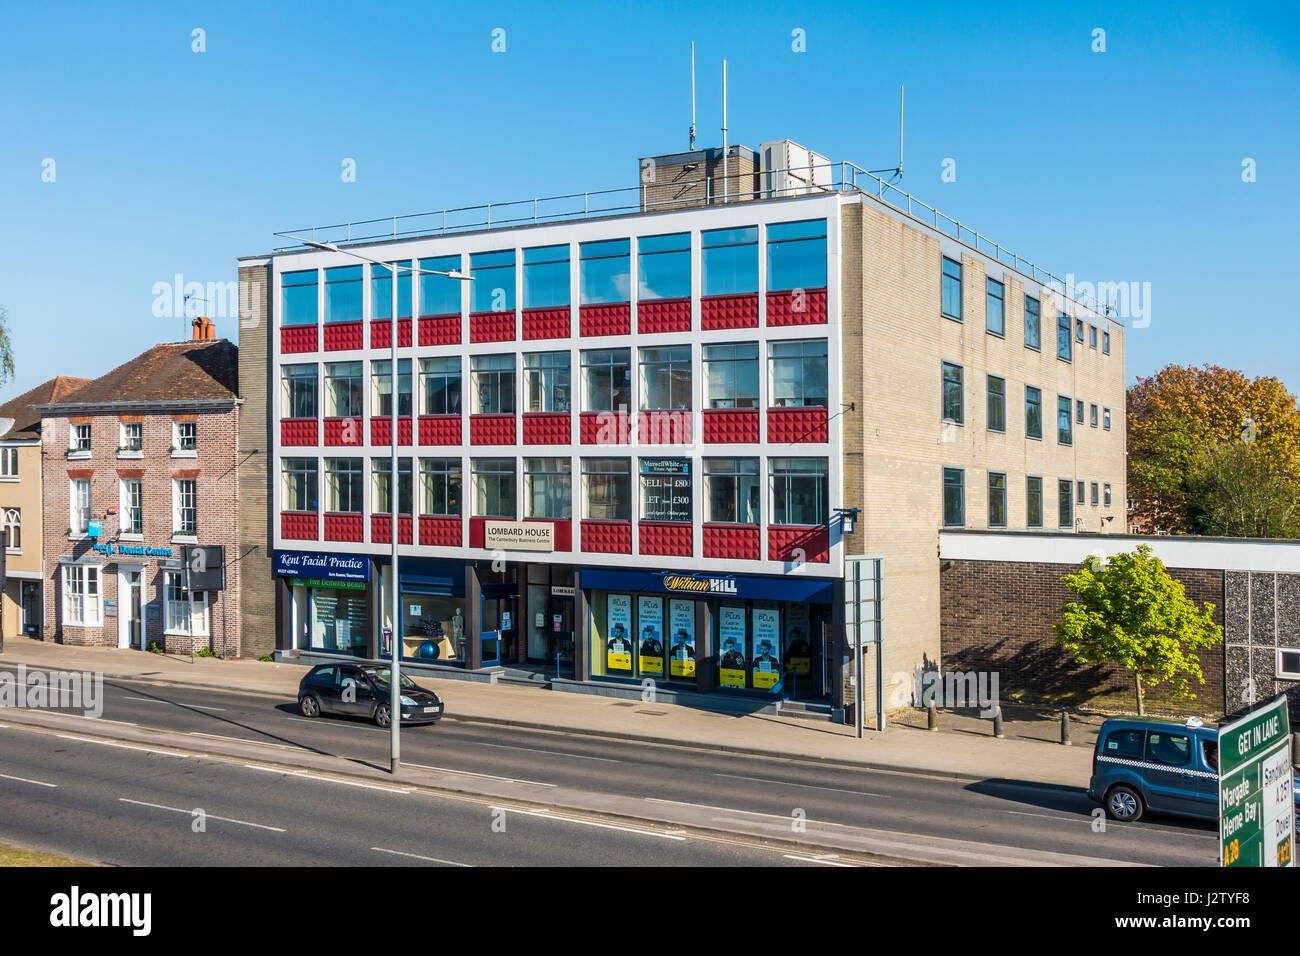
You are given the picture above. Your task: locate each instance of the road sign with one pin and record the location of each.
(206, 566)
(1256, 806)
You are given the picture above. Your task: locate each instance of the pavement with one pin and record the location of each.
(964, 748)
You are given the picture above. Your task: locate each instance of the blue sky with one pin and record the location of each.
(1117, 166)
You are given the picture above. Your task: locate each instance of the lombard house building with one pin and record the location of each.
(139, 464)
(650, 435)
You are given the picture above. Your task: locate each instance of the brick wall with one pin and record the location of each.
(258, 593)
(998, 616)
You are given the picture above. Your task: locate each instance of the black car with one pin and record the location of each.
(362, 690)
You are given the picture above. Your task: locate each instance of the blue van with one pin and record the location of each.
(1163, 766)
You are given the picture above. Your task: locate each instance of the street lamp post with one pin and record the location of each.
(394, 485)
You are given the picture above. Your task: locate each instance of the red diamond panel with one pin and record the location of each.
(345, 431)
(439, 429)
(381, 529)
(492, 429)
(664, 428)
(730, 426)
(801, 307)
(729, 312)
(663, 315)
(491, 327)
(440, 532)
(380, 334)
(794, 544)
(440, 330)
(381, 431)
(342, 336)
(344, 527)
(732, 541)
(546, 428)
(546, 323)
(665, 538)
(297, 431)
(610, 319)
(786, 425)
(298, 338)
(300, 525)
(607, 537)
(605, 428)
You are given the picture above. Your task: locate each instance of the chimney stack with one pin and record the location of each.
(203, 328)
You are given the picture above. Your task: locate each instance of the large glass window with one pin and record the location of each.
(298, 476)
(995, 316)
(132, 504)
(664, 266)
(997, 403)
(381, 484)
(731, 490)
(729, 258)
(1063, 345)
(81, 596)
(546, 382)
(1033, 412)
(343, 294)
(440, 487)
(339, 622)
(187, 613)
(439, 295)
(799, 491)
(381, 291)
(605, 271)
(493, 288)
(1064, 427)
(546, 277)
(606, 379)
(494, 384)
(344, 392)
(952, 394)
(954, 498)
(731, 375)
(298, 392)
(666, 377)
(548, 488)
(951, 289)
(343, 485)
(79, 504)
(185, 506)
(1034, 502)
(666, 489)
(299, 304)
(798, 377)
(494, 487)
(440, 386)
(381, 379)
(607, 489)
(796, 255)
(1033, 324)
(997, 499)
(1064, 503)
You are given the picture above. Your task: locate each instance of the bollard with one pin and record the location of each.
(1065, 730)
(1295, 749)
(932, 717)
(997, 724)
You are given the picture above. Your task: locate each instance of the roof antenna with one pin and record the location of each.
(724, 132)
(692, 96)
(896, 171)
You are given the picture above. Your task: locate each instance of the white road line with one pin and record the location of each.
(312, 776)
(322, 723)
(485, 776)
(113, 743)
(1051, 816)
(592, 823)
(209, 816)
(38, 783)
(805, 786)
(815, 859)
(246, 740)
(102, 720)
(416, 856)
(148, 700)
(200, 706)
(553, 753)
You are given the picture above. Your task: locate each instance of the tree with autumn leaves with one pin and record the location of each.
(1213, 452)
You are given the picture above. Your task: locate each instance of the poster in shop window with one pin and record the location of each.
(618, 636)
(798, 639)
(767, 648)
(650, 650)
(681, 638)
(731, 646)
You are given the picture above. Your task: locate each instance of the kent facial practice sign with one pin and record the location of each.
(1256, 806)
(321, 564)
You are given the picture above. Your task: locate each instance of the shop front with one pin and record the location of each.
(733, 634)
(330, 600)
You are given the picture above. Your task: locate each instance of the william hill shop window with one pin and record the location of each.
(766, 633)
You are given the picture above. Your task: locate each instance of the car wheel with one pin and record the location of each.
(1124, 803)
(309, 705)
(383, 716)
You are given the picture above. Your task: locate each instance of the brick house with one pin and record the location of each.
(136, 465)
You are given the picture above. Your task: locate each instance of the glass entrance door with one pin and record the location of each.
(135, 610)
(559, 622)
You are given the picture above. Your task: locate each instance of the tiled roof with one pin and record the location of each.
(196, 370)
(26, 419)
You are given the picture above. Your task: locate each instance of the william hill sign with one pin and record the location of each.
(698, 585)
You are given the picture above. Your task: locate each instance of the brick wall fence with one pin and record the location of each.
(998, 616)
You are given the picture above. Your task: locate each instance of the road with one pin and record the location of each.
(323, 817)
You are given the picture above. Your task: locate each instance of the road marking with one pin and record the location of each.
(102, 720)
(208, 816)
(486, 776)
(416, 856)
(806, 786)
(38, 783)
(246, 740)
(312, 776)
(592, 823)
(553, 753)
(321, 723)
(816, 859)
(148, 700)
(201, 707)
(1049, 816)
(113, 743)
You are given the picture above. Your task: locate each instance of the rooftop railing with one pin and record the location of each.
(694, 193)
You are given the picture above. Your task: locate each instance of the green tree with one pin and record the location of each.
(1132, 613)
(1240, 490)
(6, 348)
